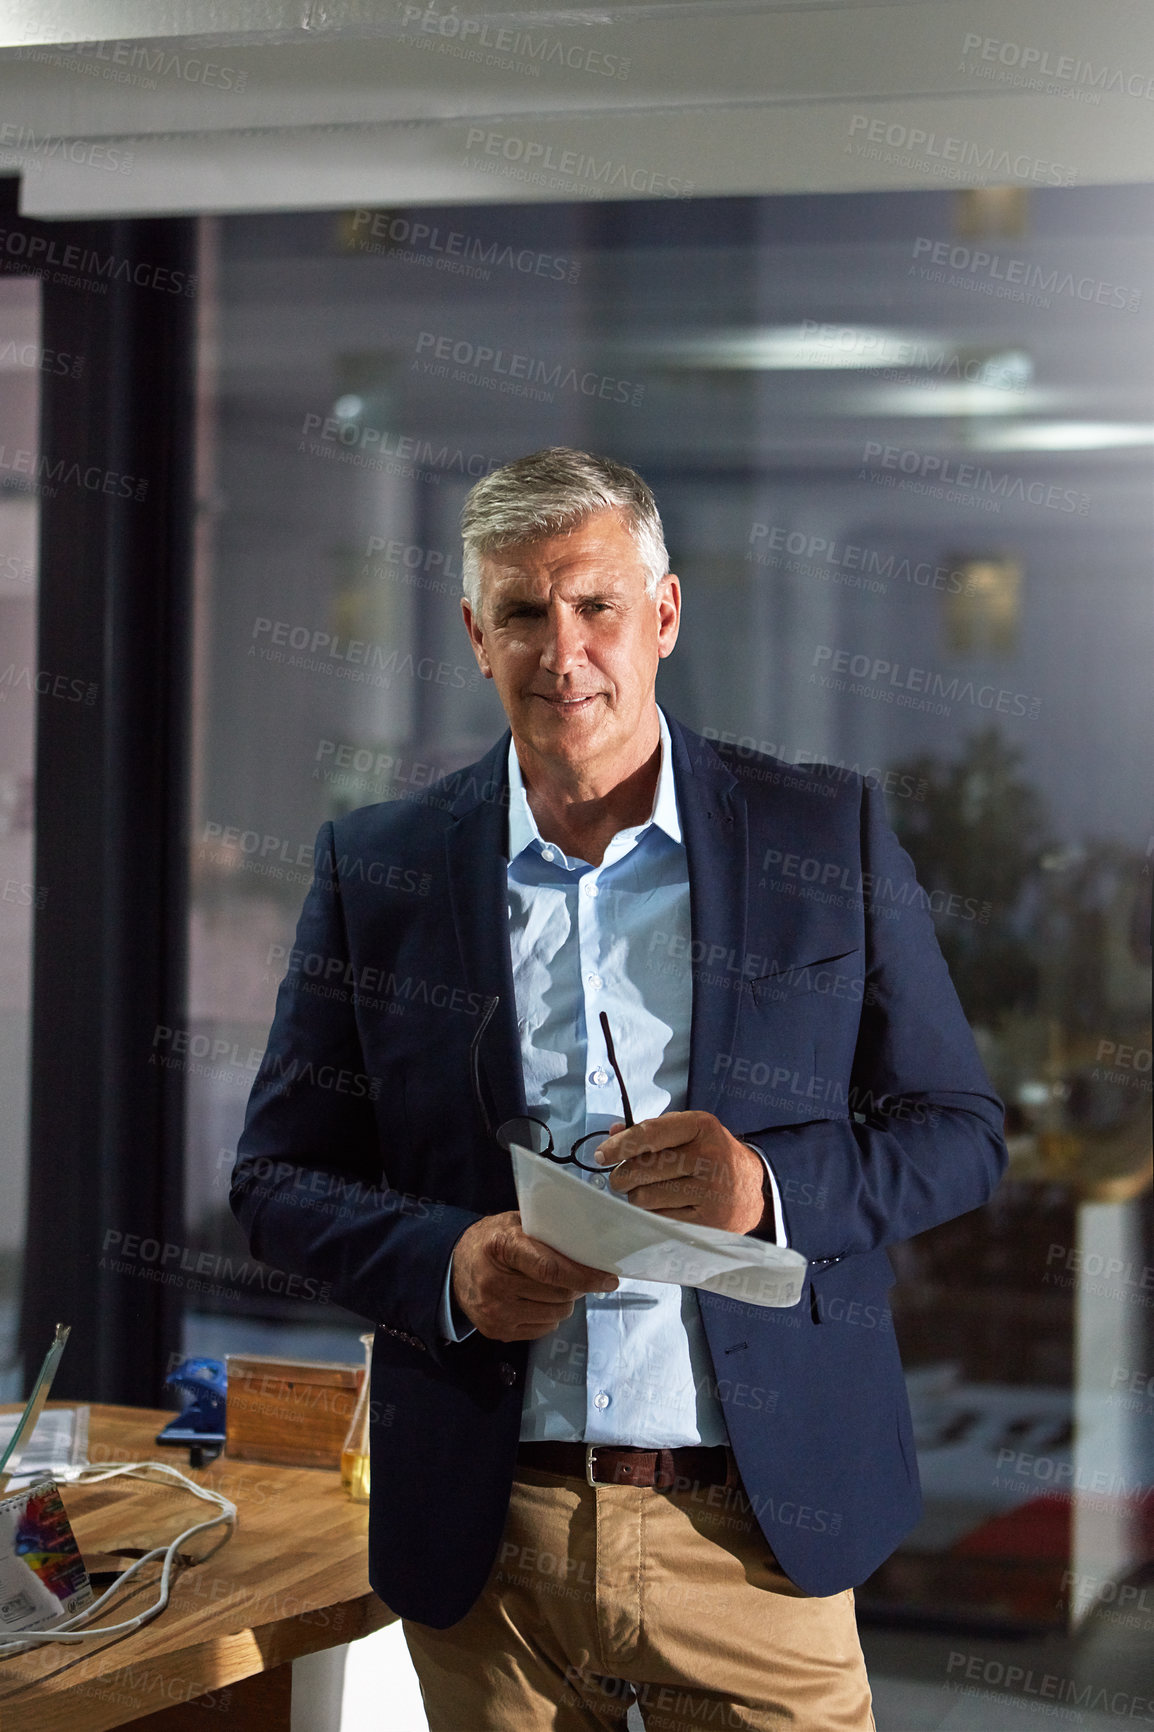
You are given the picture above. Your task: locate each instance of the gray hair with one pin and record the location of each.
(547, 493)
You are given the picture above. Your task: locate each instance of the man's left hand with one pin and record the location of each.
(689, 1167)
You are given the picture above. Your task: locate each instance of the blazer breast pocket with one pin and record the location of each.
(795, 1040)
(837, 977)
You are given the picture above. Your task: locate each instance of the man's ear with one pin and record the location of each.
(476, 637)
(668, 613)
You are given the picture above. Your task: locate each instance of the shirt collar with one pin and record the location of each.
(523, 831)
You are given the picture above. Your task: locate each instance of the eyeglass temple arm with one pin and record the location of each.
(616, 1068)
(475, 1059)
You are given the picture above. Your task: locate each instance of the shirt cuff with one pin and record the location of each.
(780, 1235)
(451, 1320)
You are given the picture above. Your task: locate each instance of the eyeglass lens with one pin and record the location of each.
(534, 1135)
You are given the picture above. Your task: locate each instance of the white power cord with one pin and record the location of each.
(71, 1630)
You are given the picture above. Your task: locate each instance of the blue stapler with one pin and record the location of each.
(202, 1385)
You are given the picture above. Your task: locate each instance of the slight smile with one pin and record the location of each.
(569, 704)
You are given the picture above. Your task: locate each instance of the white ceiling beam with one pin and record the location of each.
(821, 148)
(425, 67)
(341, 102)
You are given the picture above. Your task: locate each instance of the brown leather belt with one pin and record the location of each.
(617, 1464)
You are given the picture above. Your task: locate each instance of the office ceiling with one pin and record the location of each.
(116, 107)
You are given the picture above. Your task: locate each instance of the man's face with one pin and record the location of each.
(572, 642)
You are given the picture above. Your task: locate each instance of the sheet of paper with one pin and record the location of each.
(60, 1440)
(604, 1231)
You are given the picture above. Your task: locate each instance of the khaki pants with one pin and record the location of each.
(601, 1597)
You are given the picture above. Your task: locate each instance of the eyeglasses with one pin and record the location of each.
(533, 1133)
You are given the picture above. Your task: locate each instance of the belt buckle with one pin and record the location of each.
(590, 1448)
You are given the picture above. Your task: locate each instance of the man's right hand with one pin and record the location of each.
(513, 1288)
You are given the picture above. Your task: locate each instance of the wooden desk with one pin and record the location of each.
(292, 1579)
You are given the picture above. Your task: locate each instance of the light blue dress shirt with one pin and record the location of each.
(632, 1366)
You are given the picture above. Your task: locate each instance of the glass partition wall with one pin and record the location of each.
(903, 449)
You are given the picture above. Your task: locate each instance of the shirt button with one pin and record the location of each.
(595, 981)
(590, 887)
(601, 1399)
(547, 854)
(599, 1077)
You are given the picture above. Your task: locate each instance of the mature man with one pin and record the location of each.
(587, 1491)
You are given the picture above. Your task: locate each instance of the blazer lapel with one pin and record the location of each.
(714, 823)
(476, 854)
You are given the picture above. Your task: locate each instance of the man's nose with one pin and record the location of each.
(564, 646)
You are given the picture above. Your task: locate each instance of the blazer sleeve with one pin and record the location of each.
(921, 1140)
(308, 1186)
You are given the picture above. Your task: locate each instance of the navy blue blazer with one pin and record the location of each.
(825, 1030)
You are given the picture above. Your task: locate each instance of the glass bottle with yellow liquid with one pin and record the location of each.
(355, 1454)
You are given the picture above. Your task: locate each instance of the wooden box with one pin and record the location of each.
(294, 1412)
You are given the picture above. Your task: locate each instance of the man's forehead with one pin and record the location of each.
(576, 575)
(544, 566)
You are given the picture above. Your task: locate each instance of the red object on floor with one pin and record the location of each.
(1041, 1531)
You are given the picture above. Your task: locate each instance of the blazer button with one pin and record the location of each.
(506, 1372)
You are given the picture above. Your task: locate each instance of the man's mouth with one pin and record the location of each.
(568, 704)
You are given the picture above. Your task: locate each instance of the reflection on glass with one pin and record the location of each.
(985, 612)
